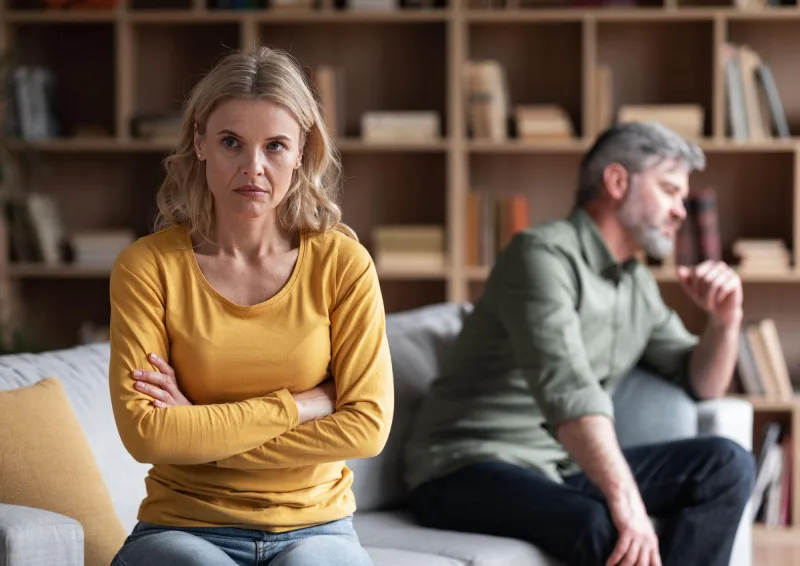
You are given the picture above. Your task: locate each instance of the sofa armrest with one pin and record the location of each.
(727, 417)
(35, 536)
(733, 419)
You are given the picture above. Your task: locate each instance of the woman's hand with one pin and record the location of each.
(161, 385)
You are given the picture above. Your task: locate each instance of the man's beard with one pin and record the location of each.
(648, 234)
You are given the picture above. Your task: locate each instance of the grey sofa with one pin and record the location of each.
(419, 340)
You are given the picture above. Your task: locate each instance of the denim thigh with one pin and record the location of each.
(334, 544)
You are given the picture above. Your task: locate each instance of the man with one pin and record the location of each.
(517, 436)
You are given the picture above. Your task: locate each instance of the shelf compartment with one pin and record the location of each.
(184, 53)
(764, 300)
(755, 196)
(403, 295)
(549, 73)
(647, 69)
(549, 180)
(76, 106)
(115, 191)
(387, 188)
(384, 67)
(54, 311)
(157, 5)
(774, 41)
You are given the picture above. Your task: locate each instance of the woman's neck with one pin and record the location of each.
(247, 238)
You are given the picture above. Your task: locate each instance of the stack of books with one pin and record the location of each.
(100, 248)
(762, 256)
(409, 248)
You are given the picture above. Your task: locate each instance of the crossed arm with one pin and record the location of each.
(264, 431)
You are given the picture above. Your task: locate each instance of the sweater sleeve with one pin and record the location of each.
(177, 435)
(362, 370)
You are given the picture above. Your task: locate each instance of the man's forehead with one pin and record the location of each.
(672, 170)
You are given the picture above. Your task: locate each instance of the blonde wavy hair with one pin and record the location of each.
(265, 74)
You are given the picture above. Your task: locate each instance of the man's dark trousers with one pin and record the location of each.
(697, 488)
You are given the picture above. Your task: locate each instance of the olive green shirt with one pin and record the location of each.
(559, 324)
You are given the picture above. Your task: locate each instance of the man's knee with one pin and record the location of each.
(597, 538)
(324, 550)
(735, 462)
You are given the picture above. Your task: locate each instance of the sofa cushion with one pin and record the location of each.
(397, 529)
(419, 340)
(393, 557)
(46, 463)
(648, 409)
(83, 373)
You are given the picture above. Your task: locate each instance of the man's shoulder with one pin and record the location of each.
(555, 236)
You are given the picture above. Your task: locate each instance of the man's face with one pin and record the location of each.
(653, 207)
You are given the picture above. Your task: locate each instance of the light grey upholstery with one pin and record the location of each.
(419, 341)
(33, 537)
(396, 529)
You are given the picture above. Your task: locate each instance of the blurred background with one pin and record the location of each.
(458, 124)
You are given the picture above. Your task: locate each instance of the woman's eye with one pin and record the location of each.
(229, 141)
(275, 145)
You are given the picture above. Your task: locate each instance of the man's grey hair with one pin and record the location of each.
(636, 146)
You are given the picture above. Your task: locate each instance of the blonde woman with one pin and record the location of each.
(248, 352)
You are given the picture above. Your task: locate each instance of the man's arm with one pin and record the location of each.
(537, 307)
(704, 366)
(714, 359)
(592, 443)
(717, 289)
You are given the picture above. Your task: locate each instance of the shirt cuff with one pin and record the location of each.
(591, 400)
(292, 415)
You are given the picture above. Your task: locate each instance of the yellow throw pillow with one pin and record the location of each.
(46, 462)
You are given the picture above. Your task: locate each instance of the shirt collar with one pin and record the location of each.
(594, 248)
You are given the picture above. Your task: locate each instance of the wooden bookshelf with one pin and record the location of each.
(145, 55)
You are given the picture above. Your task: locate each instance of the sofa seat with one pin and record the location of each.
(394, 557)
(396, 530)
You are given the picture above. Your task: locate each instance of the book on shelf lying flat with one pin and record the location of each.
(100, 248)
(758, 256)
(685, 119)
(407, 248)
(401, 126)
(539, 122)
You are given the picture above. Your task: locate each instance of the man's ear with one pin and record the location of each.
(616, 181)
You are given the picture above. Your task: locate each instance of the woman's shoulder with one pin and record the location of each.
(152, 249)
(339, 246)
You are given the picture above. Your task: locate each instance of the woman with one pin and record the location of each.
(248, 352)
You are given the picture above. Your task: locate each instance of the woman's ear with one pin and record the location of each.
(198, 143)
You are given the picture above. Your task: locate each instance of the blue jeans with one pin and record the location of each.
(697, 487)
(331, 544)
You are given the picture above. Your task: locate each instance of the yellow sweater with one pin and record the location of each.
(238, 457)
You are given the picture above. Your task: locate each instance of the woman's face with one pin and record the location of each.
(250, 149)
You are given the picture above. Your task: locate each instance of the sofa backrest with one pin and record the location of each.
(419, 341)
(83, 372)
(648, 409)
